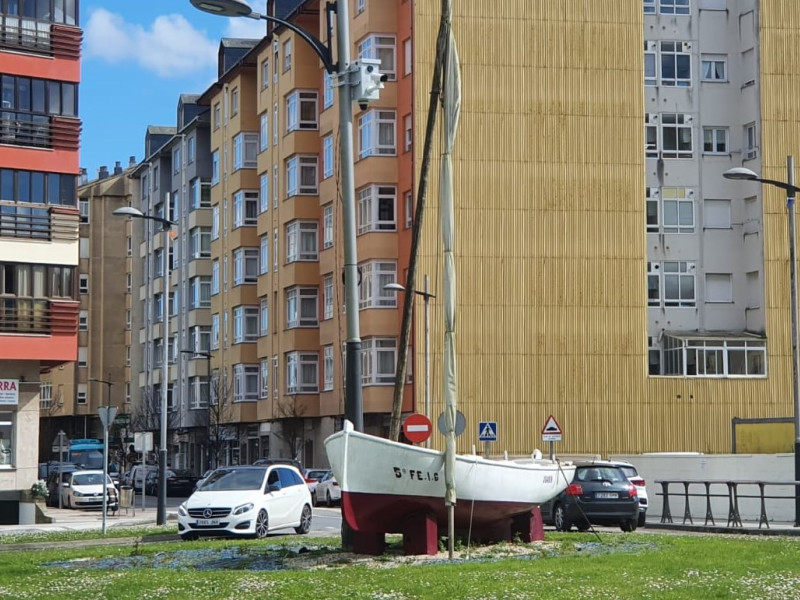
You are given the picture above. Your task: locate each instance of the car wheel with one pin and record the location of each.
(628, 525)
(262, 524)
(560, 519)
(69, 502)
(305, 521)
(314, 499)
(641, 520)
(583, 526)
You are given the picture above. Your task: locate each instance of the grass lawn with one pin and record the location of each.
(565, 566)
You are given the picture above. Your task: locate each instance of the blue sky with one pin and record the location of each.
(138, 57)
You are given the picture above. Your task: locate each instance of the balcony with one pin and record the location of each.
(38, 222)
(39, 37)
(39, 131)
(39, 316)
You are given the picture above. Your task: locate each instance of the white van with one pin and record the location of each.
(139, 474)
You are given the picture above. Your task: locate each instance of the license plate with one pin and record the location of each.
(606, 495)
(207, 522)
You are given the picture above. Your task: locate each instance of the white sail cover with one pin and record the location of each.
(451, 111)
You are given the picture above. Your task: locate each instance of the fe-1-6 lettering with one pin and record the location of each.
(415, 474)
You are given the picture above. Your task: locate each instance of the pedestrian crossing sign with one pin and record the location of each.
(487, 431)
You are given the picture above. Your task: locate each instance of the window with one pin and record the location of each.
(716, 214)
(200, 192)
(301, 307)
(327, 98)
(361, 6)
(275, 124)
(649, 6)
(215, 222)
(200, 292)
(45, 401)
(327, 297)
(263, 193)
(83, 320)
(301, 110)
(287, 55)
(327, 368)
(301, 241)
(264, 388)
(714, 68)
(371, 292)
(670, 210)
(676, 134)
(245, 208)
(198, 393)
(263, 131)
(83, 207)
(301, 176)
(265, 73)
(7, 437)
(381, 47)
(676, 59)
(264, 328)
(190, 149)
(176, 160)
(215, 276)
(714, 357)
(245, 324)
(378, 358)
(201, 242)
(83, 283)
(376, 133)
(275, 377)
(409, 205)
(407, 56)
(216, 116)
(376, 209)
(245, 150)
(83, 357)
(245, 266)
(275, 249)
(671, 284)
(215, 167)
(327, 156)
(245, 382)
(214, 332)
(274, 186)
(200, 338)
(719, 288)
(263, 258)
(674, 7)
(750, 144)
(715, 140)
(301, 373)
(408, 134)
(234, 101)
(275, 62)
(81, 394)
(327, 226)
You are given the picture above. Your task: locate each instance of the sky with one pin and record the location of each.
(138, 57)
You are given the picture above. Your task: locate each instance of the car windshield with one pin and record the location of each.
(88, 479)
(629, 472)
(316, 474)
(599, 474)
(234, 479)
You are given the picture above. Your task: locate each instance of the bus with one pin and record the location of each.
(88, 453)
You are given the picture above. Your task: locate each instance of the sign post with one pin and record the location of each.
(487, 433)
(106, 414)
(60, 442)
(551, 432)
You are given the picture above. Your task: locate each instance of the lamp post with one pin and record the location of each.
(207, 356)
(166, 225)
(107, 415)
(343, 69)
(743, 174)
(427, 297)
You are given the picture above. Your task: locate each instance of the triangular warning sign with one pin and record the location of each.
(487, 432)
(551, 426)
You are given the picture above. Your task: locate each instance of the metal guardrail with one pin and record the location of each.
(720, 488)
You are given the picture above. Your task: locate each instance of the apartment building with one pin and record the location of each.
(39, 314)
(72, 393)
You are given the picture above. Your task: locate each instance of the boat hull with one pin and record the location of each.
(384, 483)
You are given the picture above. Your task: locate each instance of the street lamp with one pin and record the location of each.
(354, 406)
(166, 224)
(743, 174)
(207, 356)
(427, 296)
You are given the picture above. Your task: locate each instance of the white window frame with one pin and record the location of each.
(383, 48)
(375, 127)
(245, 150)
(302, 309)
(245, 208)
(302, 110)
(373, 204)
(200, 292)
(327, 226)
(263, 192)
(263, 391)
(215, 277)
(83, 320)
(714, 67)
(245, 382)
(201, 242)
(677, 213)
(264, 317)
(375, 275)
(245, 266)
(245, 324)
(263, 134)
(681, 124)
(327, 95)
(327, 368)
(215, 167)
(679, 55)
(302, 373)
(287, 55)
(378, 360)
(302, 176)
(716, 140)
(674, 7)
(215, 222)
(750, 142)
(263, 256)
(327, 156)
(302, 241)
(215, 332)
(409, 207)
(327, 297)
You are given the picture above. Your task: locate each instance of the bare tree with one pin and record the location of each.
(146, 414)
(220, 415)
(292, 420)
(49, 423)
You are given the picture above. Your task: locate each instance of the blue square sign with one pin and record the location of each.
(487, 431)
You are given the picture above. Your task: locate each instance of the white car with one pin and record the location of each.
(84, 489)
(328, 491)
(638, 481)
(247, 501)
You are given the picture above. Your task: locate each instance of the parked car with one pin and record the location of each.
(313, 477)
(328, 491)
(53, 482)
(180, 482)
(247, 501)
(599, 494)
(139, 474)
(633, 476)
(85, 489)
(48, 467)
(261, 462)
(200, 481)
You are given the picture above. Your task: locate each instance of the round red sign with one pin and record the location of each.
(417, 428)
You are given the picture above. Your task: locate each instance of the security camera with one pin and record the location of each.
(362, 103)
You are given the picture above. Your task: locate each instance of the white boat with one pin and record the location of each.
(384, 483)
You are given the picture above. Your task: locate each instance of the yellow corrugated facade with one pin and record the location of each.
(550, 242)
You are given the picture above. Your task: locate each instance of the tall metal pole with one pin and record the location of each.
(161, 511)
(427, 296)
(790, 197)
(353, 402)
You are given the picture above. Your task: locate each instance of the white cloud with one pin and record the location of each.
(248, 28)
(170, 47)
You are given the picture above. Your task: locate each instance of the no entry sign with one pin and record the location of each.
(417, 428)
